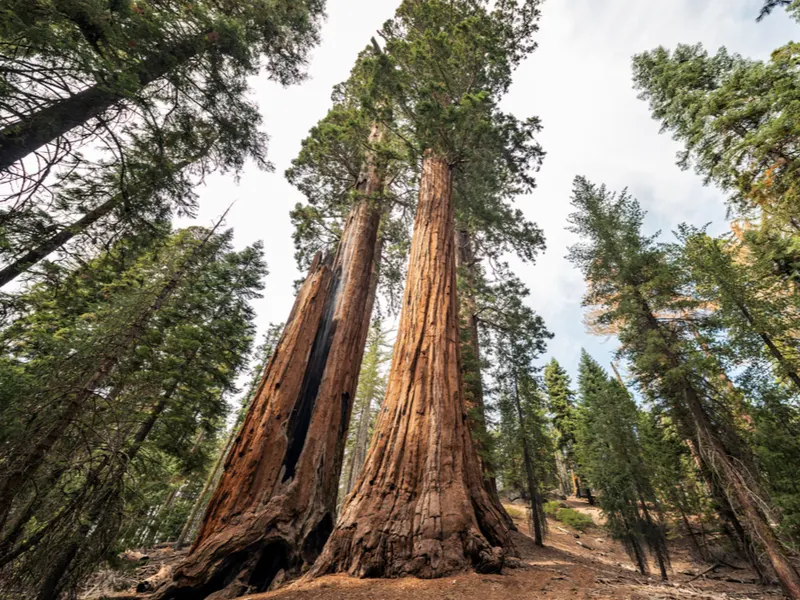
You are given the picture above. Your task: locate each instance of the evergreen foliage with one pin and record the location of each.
(121, 372)
(611, 457)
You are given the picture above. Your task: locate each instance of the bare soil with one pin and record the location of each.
(572, 565)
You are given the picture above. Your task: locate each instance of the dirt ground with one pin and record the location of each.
(573, 565)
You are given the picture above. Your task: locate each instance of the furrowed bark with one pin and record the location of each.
(365, 417)
(56, 120)
(275, 505)
(419, 506)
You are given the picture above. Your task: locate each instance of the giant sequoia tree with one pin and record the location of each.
(448, 64)
(640, 291)
(275, 504)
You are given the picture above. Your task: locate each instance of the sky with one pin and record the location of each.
(578, 82)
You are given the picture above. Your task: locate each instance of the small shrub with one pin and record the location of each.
(514, 512)
(574, 519)
(551, 507)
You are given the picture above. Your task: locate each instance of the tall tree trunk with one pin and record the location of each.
(56, 578)
(788, 369)
(466, 265)
(655, 547)
(56, 120)
(21, 264)
(533, 489)
(275, 505)
(734, 479)
(563, 473)
(30, 258)
(419, 506)
(359, 450)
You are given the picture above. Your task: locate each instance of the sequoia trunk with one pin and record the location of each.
(419, 506)
(276, 501)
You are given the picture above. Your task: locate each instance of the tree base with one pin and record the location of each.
(254, 554)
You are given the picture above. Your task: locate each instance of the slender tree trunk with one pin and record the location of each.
(690, 532)
(57, 576)
(275, 505)
(359, 449)
(657, 548)
(30, 258)
(563, 473)
(73, 401)
(466, 265)
(211, 480)
(56, 120)
(533, 488)
(79, 227)
(788, 369)
(738, 485)
(419, 506)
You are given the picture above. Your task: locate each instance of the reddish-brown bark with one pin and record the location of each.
(276, 501)
(419, 506)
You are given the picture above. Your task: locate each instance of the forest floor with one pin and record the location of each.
(572, 565)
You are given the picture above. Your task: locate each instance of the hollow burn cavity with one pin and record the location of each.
(315, 540)
(274, 558)
(255, 569)
(300, 419)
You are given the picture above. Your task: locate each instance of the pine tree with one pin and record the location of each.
(163, 394)
(156, 92)
(78, 61)
(736, 119)
(632, 282)
(560, 403)
(611, 455)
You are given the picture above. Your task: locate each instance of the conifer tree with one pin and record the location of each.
(560, 404)
(156, 93)
(522, 405)
(632, 282)
(611, 455)
(161, 396)
(446, 65)
(76, 61)
(735, 118)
